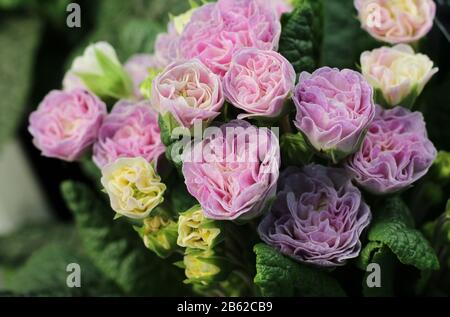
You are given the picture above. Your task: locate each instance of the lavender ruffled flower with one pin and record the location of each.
(318, 216)
(395, 153)
(334, 109)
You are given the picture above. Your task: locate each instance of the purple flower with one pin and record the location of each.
(137, 66)
(66, 123)
(317, 217)
(259, 82)
(216, 31)
(334, 109)
(395, 153)
(233, 171)
(130, 130)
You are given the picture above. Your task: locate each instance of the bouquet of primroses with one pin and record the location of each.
(250, 167)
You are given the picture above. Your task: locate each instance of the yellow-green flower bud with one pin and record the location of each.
(201, 267)
(159, 235)
(196, 231)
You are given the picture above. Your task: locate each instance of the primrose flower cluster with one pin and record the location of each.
(217, 69)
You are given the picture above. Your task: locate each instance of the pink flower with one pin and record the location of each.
(259, 82)
(334, 109)
(66, 123)
(400, 21)
(233, 171)
(167, 46)
(217, 31)
(395, 153)
(138, 67)
(189, 91)
(130, 130)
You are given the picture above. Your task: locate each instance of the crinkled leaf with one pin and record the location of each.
(116, 249)
(277, 275)
(301, 35)
(393, 226)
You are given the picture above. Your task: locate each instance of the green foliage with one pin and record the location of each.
(435, 105)
(295, 150)
(116, 249)
(344, 40)
(44, 274)
(19, 39)
(16, 247)
(279, 276)
(301, 35)
(392, 226)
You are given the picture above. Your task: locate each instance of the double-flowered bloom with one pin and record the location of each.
(396, 21)
(66, 123)
(317, 217)
(334, 109)
(395, 153)
(396, 73)
(189, 91)
(133, 187)
(130, 130)
(233, 172)
(217, 30)
(259, 82)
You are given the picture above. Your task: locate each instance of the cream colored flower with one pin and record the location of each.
(133, 187)
(397, 72)
(195, 231)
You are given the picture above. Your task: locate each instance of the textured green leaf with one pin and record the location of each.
(45, 274)
(393, 226)
(276, 275)
(301, 35)
(116, 249)
(19, 38)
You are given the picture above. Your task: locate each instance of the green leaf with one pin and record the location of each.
(295, 150)
(344, 39)
(277, 275)
(19, 39)
(393, 226)
(45, 274)
(116, 249)
(17, 247)
(301, 35)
